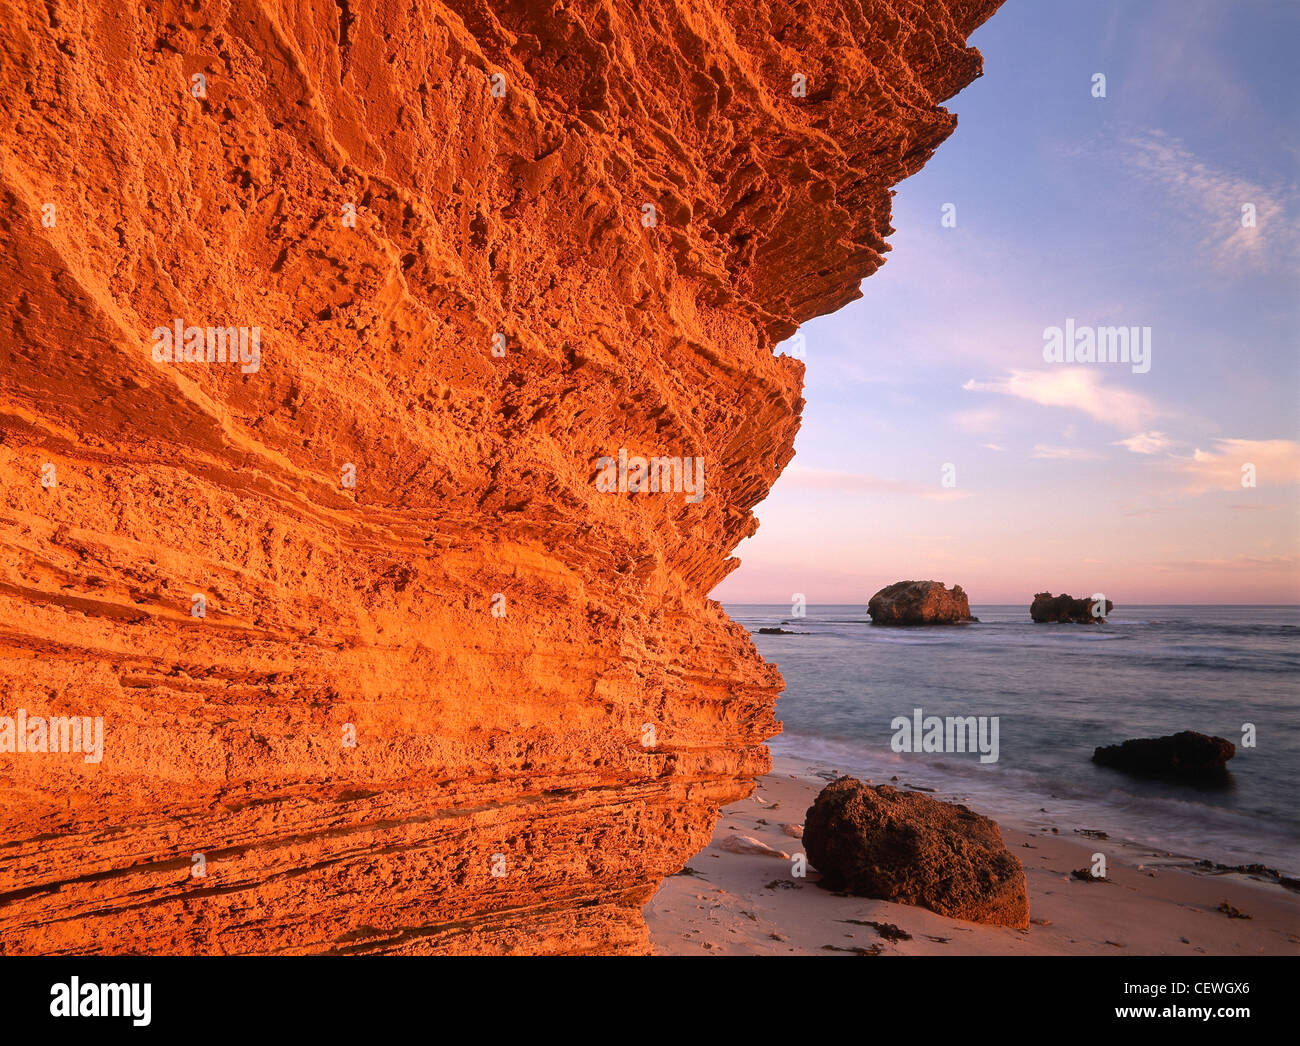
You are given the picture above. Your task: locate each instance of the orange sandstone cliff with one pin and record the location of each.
(379, 666)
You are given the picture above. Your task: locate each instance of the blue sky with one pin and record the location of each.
(1122, 210)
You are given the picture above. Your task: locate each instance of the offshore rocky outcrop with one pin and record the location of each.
(920, 603)
(379, 668)
(1049, 609)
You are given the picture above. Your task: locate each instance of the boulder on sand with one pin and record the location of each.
(1049, 608)
(1186, 754)
(906, 847)
(919, 603)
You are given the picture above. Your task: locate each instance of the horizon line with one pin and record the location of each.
(1279, 606)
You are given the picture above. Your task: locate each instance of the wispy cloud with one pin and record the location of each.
(1077, 388)
(844, 482)
(1280, 564)
(981, 421)
(1042, 450)
(1276, 463)
(1147, 443)
(1213, 198)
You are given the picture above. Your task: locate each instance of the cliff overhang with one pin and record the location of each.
(380, 668)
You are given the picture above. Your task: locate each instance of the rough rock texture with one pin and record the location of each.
(470, 703)
(1047, 608)
(920, 603)
(906, 847)
(1185, 754)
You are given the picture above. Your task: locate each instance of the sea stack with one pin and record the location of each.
(920, 603)
(1047, 609)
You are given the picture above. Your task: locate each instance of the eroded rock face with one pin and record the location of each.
(1185, 754)
(911, 849)
(440, 693)
(1047, 608)
(920, 603)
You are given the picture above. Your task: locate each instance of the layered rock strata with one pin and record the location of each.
(316, 322)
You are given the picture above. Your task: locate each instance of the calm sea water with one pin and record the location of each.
(1059, 691)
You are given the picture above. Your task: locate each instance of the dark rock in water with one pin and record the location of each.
(1048, 608)
(1187, 754)
(920, 603)
(906, 847)
(777, 632)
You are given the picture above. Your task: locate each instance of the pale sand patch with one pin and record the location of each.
(1155, 904)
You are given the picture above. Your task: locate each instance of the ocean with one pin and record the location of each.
(1059, 691)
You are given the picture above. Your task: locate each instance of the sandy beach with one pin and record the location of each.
(1155, 902)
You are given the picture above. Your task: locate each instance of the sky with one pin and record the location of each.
(939, 443)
